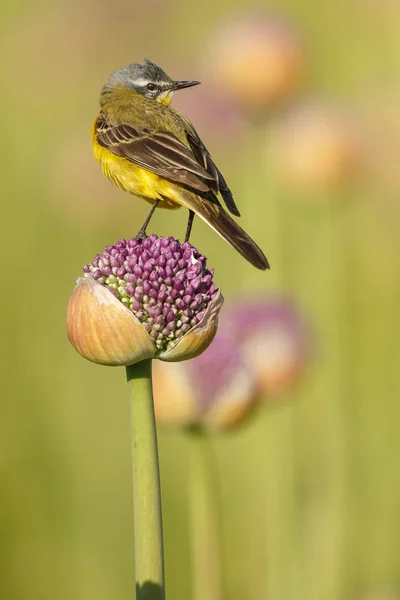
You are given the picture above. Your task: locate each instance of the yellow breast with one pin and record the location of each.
(134, 179)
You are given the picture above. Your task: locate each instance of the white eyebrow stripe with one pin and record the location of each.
(142, 82)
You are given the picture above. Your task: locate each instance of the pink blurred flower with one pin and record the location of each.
(215, 391)
(257, 59)
(315, 146)
(273, 339)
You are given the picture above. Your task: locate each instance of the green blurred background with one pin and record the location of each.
(311, 485)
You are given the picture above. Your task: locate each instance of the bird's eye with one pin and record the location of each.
(151, 86)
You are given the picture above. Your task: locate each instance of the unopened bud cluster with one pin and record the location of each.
(165, 284)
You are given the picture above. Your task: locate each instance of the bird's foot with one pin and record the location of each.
(141, 234)
(142, 231)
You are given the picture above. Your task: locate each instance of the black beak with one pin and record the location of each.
(179, 85)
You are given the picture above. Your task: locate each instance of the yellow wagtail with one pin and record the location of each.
(149, 149)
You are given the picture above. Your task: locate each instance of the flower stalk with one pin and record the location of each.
(149, 551)
(204, 520)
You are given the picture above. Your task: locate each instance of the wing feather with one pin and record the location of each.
(204, 158)
(159, 152)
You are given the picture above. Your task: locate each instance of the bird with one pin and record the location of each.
(147, 148)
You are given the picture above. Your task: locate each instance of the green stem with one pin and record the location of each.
(204, 521)
(149, 555)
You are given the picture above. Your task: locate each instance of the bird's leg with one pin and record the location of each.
(189, 225)
(142, 231)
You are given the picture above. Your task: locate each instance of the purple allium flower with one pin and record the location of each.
(216, 390)
(161, 285)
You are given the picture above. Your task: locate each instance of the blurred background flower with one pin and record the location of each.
(315, 146)
(256, 58)
(262, 348)
(214, 391)
(273, 338)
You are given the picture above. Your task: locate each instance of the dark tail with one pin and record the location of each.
(222, 223)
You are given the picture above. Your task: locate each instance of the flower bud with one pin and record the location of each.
(273, 339)
(139, 299)
(215, 390)
(315, 147)
(257, 59)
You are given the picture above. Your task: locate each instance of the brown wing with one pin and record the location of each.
(204, 158)
(159, 152)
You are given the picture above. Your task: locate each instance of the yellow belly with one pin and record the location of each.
(136, 180)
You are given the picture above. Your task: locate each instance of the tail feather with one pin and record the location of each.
(215, 216)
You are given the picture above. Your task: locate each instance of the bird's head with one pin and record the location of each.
(147, 79)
